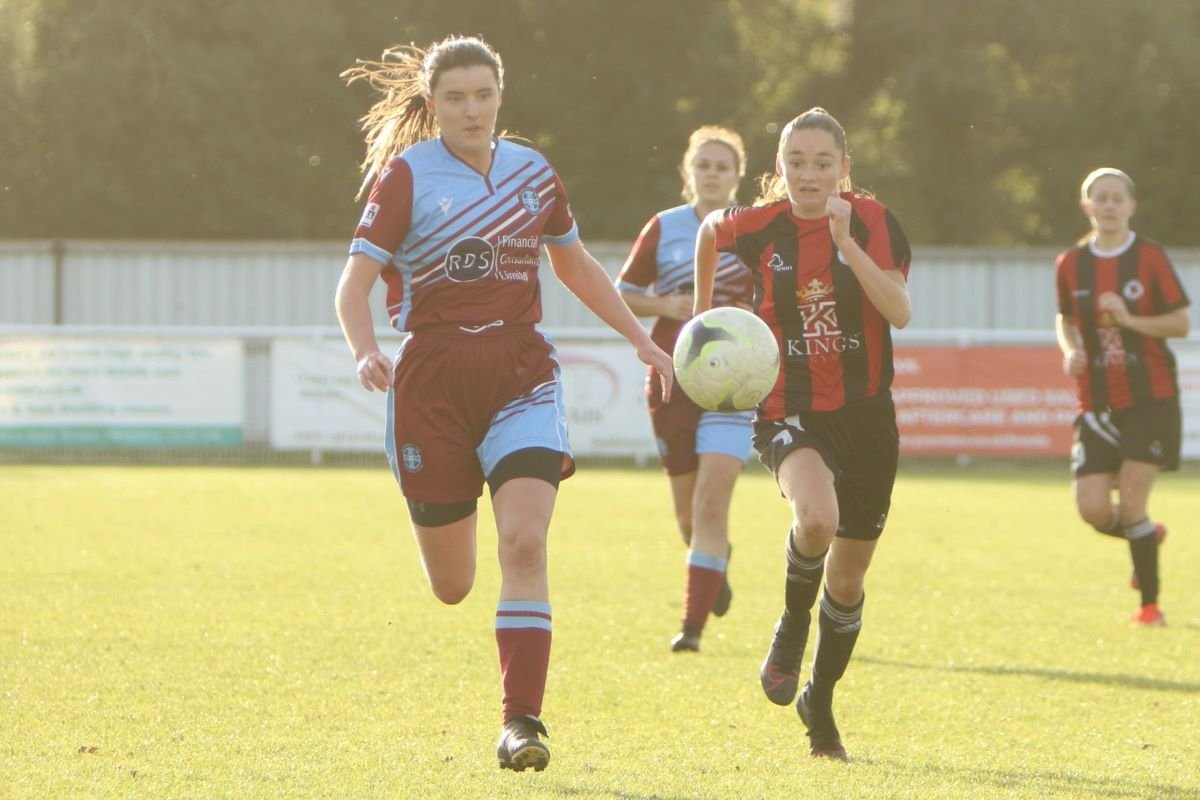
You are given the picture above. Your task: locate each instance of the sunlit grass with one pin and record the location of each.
(253, 633)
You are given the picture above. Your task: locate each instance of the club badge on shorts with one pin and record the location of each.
(410, 456)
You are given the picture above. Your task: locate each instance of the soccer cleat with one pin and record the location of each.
(823, 736)
(520, 748)
(725, 595)
(1150, 616)
(1160, 533)
(686, 641)
(780, 673)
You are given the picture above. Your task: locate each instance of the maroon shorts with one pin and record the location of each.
(461, 402)
(675, 424)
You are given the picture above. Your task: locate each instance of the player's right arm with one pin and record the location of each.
(640, 273)
(1074, 356)
(706, 262)
(352, 302)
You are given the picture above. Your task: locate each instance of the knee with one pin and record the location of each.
(451, 590)
(711, 504)
(815, 527)
(845, 589)
(523, 549)
(1096, 512)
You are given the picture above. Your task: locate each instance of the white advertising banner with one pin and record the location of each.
(318, 404)
(127, 392)
(1187, 355)
(604, 388)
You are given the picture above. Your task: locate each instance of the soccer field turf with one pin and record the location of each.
(189, 632)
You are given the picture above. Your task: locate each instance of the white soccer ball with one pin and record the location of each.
(726, 359)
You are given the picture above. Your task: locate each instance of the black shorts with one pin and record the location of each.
(1151, 432)
(861, 446)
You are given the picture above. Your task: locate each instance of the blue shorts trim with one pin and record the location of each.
(726, 433)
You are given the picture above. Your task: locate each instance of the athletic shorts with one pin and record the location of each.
(861, 446)
(1151, 432)
(461, 402)
(683, 430)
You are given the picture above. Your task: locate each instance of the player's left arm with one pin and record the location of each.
(582, 274)
(887, 289)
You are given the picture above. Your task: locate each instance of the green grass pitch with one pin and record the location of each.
(209, 633)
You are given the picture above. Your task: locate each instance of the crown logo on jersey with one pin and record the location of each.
(812, 291)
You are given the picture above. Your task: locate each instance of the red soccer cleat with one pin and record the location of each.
(1150, 616)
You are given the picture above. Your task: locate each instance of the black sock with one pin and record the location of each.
(803, 581)
(838, 628)
(1143, 549)
(1113, 528)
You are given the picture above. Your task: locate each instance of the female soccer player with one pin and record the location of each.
(454, 224)
(702, 452)
(830, 277)
(1119, 299)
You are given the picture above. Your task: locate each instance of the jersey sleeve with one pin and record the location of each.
(388, 214)
(888, 244)
(1168, 291)
(1065, 305)
(641, 268)
(560, 228)
(726, 230)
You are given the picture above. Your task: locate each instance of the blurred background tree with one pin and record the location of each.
(226, 119)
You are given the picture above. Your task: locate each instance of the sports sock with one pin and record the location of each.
(803, 581)
(523, 639)
(1143, 549)
(838, 628)
(705, 574)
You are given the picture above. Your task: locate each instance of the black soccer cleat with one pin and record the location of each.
(824, 739)
(780, 673)
(686, 641)
(520, 748)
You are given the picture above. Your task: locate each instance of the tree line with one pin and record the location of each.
(226, 119)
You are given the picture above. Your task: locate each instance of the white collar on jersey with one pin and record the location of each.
(1098, 253)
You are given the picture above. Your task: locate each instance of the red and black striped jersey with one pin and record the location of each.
(1124, 367)
(836, 347)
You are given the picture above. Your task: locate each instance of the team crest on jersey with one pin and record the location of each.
(368, 215)
(822, 335)
(469, 259)
(531, 200)
(1134, 290)
(410, 456)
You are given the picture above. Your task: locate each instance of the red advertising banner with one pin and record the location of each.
(983, 401)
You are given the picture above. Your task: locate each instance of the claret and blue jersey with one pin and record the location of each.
(663, 257)
(459, 246)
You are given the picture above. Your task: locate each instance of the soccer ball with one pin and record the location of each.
(726, 359)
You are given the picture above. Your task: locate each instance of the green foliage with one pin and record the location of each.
(262, 633)
(226, 119)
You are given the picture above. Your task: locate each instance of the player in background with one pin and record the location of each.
(830, 278)
(454, 223)
(702, 451)
(1119, 299)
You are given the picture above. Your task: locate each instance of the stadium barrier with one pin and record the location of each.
(291, 395)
